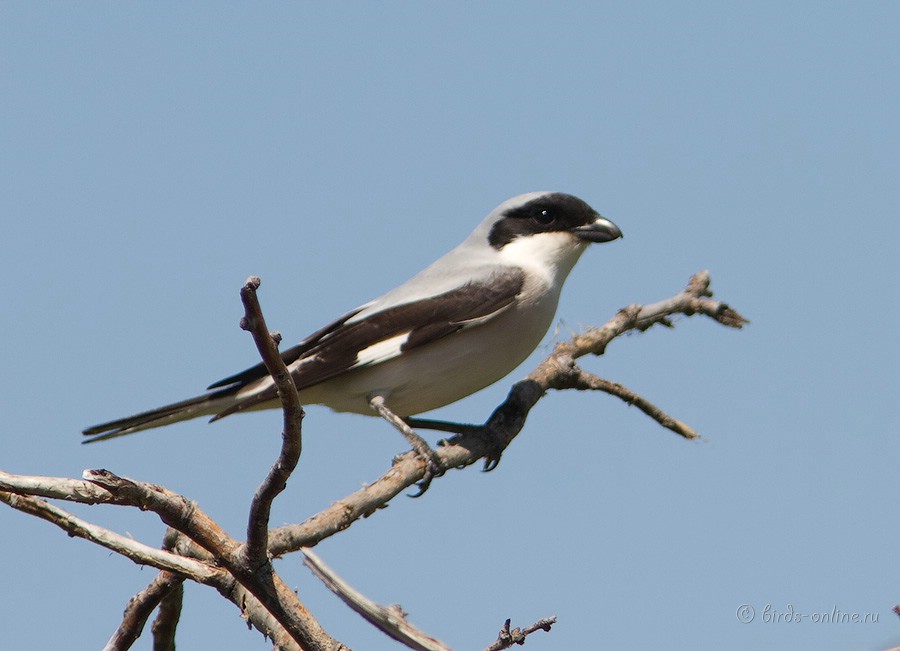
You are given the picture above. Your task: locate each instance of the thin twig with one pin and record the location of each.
(391, 620)
(166, 590)
(129, 548)
(139, 608)
(508, 637)
(166, 622)
(61, 488)
(585, 380)
(255, 551)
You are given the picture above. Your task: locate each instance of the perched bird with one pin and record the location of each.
(458, 326)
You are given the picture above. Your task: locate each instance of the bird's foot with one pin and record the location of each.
(485, 433)
(433, 465)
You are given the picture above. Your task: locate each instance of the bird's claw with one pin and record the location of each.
(491, 461)
(433, 468)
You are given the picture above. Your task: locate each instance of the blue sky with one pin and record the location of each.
(156, 154)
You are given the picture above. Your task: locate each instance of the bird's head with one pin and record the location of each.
(545, 230)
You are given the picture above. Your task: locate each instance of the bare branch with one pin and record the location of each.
(255, 551)
(248, 564)
(172, 595)
(61, 488)
(166, 590)
(139, 608)
(391, 620)
(138, 552)
(183, 515)
(173, 509)
(584, 380)
(557, 370)
(474, 442)
(186, 517)
(694, 299)
(508, 637)
(406, 471)
(166, 621)
(260, 615)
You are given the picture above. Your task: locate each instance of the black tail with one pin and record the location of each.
(205, 405)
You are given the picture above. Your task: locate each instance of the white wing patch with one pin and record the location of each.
(382, 351)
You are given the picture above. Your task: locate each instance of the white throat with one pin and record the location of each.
(550, 256)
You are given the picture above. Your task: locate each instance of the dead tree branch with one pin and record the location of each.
(391, 620)
(201, 551)
(475, 442)
(508, 637)
(127, 547)
(255, 551)
(141, 606)
(167, 618)
(174, 510)
(245, 564)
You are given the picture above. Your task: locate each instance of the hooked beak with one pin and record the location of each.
(599, 230)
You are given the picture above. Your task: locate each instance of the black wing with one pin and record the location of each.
(342, 346)
(289, 356)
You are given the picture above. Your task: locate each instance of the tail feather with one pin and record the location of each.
(205, 405)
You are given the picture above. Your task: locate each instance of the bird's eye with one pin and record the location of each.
(543, 217)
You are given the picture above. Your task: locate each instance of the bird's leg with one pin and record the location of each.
(433, 466)
(443, 426)
(483, 432)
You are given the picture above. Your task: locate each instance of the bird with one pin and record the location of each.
(463, 323)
